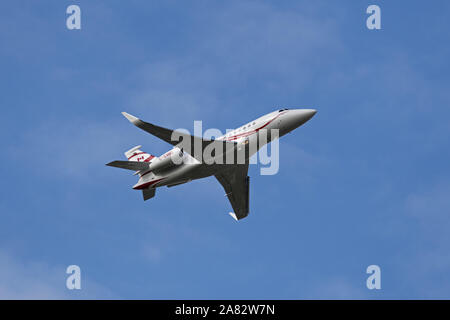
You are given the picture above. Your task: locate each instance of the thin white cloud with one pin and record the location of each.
(241, 45)
(74, 147)
(39, 280)
(425, 267)
(338, 288)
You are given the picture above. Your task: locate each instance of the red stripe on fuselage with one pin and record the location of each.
(244, 134)
(147, 184)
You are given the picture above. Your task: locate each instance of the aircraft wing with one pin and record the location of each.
(130, 165)
(188, 143)
(235, 181)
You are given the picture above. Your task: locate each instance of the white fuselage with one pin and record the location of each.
(284, 121)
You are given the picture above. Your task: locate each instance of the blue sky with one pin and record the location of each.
(366, 181)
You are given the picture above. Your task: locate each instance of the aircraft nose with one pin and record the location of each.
(308, 114)
(295, 118)
(300, 116)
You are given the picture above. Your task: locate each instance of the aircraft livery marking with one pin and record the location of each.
(134, 155)
(147, 184)
(244, 134)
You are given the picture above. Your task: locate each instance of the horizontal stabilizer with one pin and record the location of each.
(132, 151)
(129, 165)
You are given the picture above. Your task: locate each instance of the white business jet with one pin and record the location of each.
(227, 157)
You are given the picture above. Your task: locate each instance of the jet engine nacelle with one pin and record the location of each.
(172, 158)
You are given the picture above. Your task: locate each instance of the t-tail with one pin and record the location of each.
(135, 154)
(137, 160)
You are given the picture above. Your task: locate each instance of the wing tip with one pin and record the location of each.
(130, 117)
(233, 215)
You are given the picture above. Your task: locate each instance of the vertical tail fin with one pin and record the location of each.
(135, 154)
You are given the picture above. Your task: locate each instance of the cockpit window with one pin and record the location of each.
(282, 110)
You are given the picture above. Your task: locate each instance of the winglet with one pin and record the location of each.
(233, 215)
(130, 118)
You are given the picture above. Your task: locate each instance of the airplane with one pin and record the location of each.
(188, 159)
